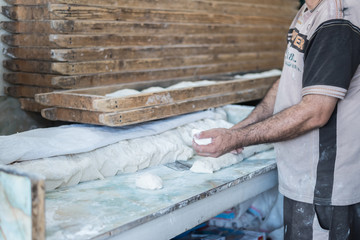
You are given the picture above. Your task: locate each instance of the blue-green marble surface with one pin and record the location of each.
(15, 206)
(94, 208)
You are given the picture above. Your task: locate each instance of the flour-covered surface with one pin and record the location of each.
(97, 208)
(15, 207)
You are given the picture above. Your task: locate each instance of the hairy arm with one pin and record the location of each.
(263, 110)
(312, 112)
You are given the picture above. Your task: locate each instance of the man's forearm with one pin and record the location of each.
(311, 113)
(263, 110)
(314, 111)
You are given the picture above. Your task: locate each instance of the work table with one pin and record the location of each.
(114, 208)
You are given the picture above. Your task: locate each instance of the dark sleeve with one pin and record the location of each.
(331, 58)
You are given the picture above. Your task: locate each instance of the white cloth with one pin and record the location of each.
(80, 138)
(122, 157)
(128, 155)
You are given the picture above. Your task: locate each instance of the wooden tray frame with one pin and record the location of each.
(92, 106)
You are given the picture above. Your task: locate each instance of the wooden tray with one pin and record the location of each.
(92, 106)
(123, 118)
(95, 99)
(102, 79)
(129, 28)
(106, 66)
(138, 52)
(224, 12)
(249, 34)
(145, 17)
(160, 4)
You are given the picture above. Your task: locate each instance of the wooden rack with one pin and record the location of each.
(56, 45)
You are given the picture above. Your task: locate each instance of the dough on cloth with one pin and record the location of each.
(149, 181)
(124, 156)
(121, 157)
(211, 165)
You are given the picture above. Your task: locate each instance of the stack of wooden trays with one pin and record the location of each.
(55, 45)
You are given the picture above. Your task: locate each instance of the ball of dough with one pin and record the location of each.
(149, 181)
(200, 141)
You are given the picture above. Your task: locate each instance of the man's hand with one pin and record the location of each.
(237, 151)
(314, 111)
(223, 141)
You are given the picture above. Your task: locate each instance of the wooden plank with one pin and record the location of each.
(71, 115)
(29, 104)
(225, 13)
(22, 205)
(159, 4)
(25, 91)
(85, 99)
(102, 90)
(123, 118)
(68, 100)
(256, 34)
(91, 54)
(163, 111)
(83, 81)
(40, 80)
(139, 28)
(94, 67)
(127, 79)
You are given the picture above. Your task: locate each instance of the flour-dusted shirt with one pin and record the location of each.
(323, 57)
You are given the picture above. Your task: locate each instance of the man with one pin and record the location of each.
(313, 114)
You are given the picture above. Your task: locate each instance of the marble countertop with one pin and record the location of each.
(97, 209)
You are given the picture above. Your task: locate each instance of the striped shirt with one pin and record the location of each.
(323, 57)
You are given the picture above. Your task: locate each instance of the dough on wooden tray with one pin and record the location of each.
(270, 73)
(152, 89)
(149, 181)
(190, 84)
(123, 93)
(186, 84)
(128, 92)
